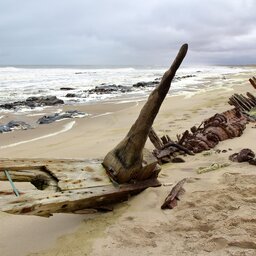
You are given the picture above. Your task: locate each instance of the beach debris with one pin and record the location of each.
(128, 161)
(60, 116)
(251, 115)
(207, 135)
(33, 102)
(71, 185)
(166, 150)
(63, 185)
(108, 89)
(172, 199)
(252, 161)
(227, 125)
(253, 82)
(14, 125)
(67, 88)
(244, 155)
(212, 167)
(243, 103)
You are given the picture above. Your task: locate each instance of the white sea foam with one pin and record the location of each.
(37, 114)
(66, 128)
(20, 83)
(104, 114)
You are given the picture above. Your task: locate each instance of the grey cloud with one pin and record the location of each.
(126, 32)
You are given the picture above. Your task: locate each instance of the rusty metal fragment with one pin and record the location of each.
(227, 125)
(245, 155)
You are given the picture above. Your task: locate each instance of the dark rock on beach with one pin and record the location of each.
(12, 105)
(67, 88)
(146, 84)
(14, 125)
(58, 116)
(33, 102)
(43, 101)
(108, 89)
(244, 155)
(183, 77)
(71, 95)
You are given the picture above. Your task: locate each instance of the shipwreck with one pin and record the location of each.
(72, 186)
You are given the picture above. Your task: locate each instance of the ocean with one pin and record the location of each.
(19, 83)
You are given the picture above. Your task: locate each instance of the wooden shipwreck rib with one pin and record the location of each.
(226, 125)
(73, 185)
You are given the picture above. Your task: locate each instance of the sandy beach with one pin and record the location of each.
(216, 215)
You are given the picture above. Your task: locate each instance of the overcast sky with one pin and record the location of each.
(130, 32)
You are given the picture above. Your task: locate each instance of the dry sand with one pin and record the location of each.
(216, 215)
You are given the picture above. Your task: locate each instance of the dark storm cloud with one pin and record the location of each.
(126, 32)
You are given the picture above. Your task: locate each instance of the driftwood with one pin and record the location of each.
(125, 161)
(75, 185)
(253, 82)
(167, 150)
(242, 102)
(172, 199)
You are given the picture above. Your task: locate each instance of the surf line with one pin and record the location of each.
(104, 114)
(66, 128)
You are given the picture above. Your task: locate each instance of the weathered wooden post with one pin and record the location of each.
(125, 161)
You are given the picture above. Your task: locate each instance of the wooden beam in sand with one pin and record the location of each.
(62, 186)
(253, 82)
(125, 161)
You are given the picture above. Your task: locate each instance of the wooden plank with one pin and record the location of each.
(66, 185)
(61, 174)
(46, 203)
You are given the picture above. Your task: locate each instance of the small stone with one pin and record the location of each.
(178, 160)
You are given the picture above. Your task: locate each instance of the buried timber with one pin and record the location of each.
(73, 185)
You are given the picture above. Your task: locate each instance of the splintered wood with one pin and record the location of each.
(253, 82)
(167, 150)
(242, 102)
(172, 199)
(69, 186)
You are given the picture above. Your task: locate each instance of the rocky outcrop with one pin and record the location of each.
(183, 77)
(33, 102)
(43, 101)
(145, 84)
(71, 95)
(108, 89)
(14, 125)
(58, 116)
(67, 88)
